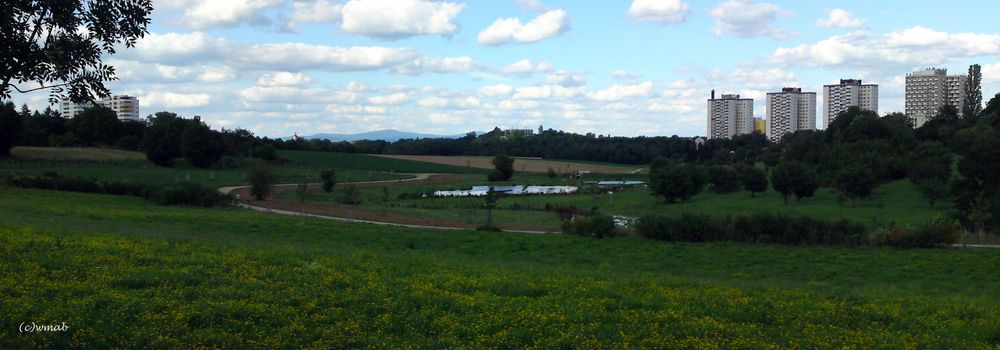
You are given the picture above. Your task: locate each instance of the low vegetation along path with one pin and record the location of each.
(278, 206)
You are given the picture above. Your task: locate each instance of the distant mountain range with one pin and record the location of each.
(388, 135)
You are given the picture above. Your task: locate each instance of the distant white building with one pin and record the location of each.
(729, 116)
(928, 90)
(849, 93)
(126, 107)
(789, 111)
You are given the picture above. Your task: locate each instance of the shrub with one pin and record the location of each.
(597, 226)
(188, 193)
(936, 232)
(758, 227)
(261, 178)
(488, 228)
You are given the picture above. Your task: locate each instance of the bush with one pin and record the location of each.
(598, 226)
(758, 228)
(185, 193)
(488, 228)
(936, 232)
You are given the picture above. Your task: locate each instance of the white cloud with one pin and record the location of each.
(454, 103)
(840, 18)
(518, 104)
(621, 74)
(906, 49)
(532, 5)
(495, 90)
(228, 13)
(437, 65)
(525, 67)
(160, 73)
(315, 11)
(619, 92)
(299, 56)
(354, 109)
(745, 19)
(508, 30)
(297, 95)
(178, 48)
(566, 79)
(397, 19)
(546, 92)
(392, 99)
(659, 11)
(284, 79)
(991, 74)
(173, 100)
(441, 118)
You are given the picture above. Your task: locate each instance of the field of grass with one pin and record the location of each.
(371, 162)
(895, 202)
(123, 273)
(522, 164)
(112, 165)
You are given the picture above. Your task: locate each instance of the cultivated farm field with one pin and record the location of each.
(124, 273)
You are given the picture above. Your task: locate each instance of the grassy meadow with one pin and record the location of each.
(124, 273)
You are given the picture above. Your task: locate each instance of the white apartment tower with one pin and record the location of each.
(789, 111)
(729, 116)
(849, 93)
(126, 107)
(928, 90)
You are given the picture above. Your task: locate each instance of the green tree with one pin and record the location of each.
(162, 139)
(723, 179)
(551, 174)
(11, 127)
(754, 180)
(490, 202)
(329, 179)
(853, 182)
(794, 178)
(96, 125)
(675, 182)
(930, 171)
(977, 192)
(261, 178)
(503, 168)
(973, 93)
(43, 44)
(200, 145)
(265, 152)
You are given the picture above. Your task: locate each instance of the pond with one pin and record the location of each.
(615, 183)
(508, 190)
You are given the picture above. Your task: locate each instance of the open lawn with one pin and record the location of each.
(525, 164)
(123, 273)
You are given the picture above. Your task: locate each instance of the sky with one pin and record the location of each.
(618, 67)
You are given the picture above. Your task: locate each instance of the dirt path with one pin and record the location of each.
(358, 215)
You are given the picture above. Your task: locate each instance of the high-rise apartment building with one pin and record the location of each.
(849, 93)
(729, 116)
(928, 90)
(789, 111)
(126, 107)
